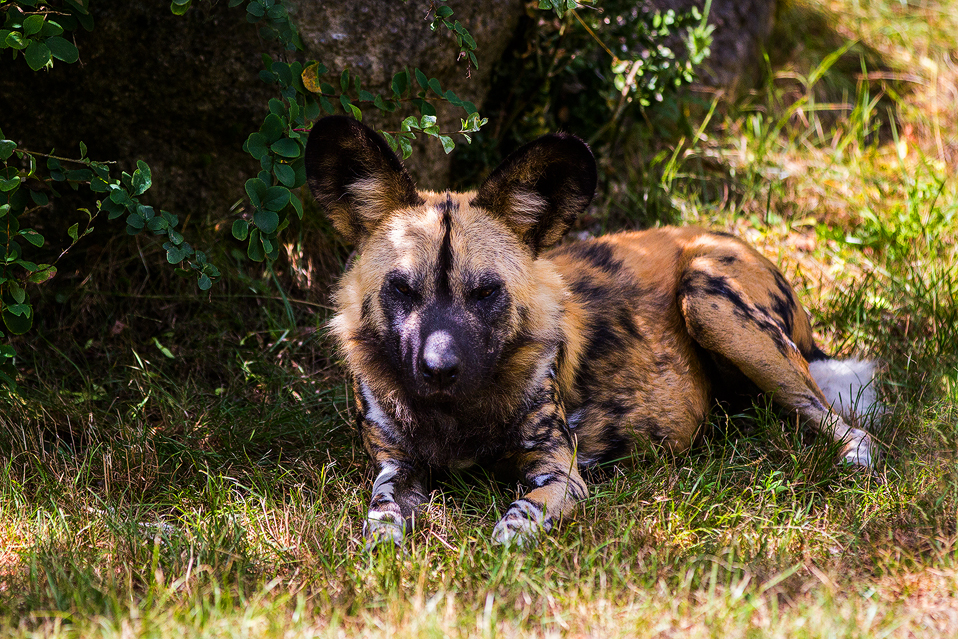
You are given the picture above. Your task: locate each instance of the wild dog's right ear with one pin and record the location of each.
(355, 176)
(540, 189)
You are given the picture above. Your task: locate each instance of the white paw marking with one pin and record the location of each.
(382, 526)
(521, 525)
(858, 452)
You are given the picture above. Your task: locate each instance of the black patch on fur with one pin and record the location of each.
(597, 254)
(627, 321)
(657, 433)
(589, 292)
(718, 285)
(816, 354)
(366, 312)
(444, 264)
(782, 303)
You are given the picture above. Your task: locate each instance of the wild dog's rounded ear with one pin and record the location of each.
(355, 176)
(540, 189)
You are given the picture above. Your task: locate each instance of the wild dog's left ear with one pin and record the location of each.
(540, 189)
(355, 176)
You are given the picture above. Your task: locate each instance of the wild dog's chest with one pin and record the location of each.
(442, 436)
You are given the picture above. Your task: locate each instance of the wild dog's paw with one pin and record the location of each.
(383, 525)
(521, 525)
(860, 452)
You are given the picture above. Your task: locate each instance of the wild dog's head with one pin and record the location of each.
(446, 297)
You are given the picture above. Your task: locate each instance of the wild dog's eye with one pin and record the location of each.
(402, 288)
(485, 292)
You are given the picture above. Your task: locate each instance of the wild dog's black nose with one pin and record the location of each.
(440, 360)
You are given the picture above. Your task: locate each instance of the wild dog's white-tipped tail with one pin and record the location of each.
(849, 386)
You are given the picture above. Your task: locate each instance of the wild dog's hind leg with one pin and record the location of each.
(737, 304)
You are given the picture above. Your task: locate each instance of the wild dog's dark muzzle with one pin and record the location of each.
(440, 362)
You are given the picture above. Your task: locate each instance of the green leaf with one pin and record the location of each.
(72, 231)
(6, 148)
(63, 49)
(142, 178)
(241, 230)
(275, 199)
(435, 86)
(425, 108)
(39, 198)
(452, 98)
(166, 352)
(50, 29)
(421, 78)
(32, 24)
(285, 174)
(255, 249)
(176, 254)
(390, 140)
(297, 206)
(119, 195)
(406, 148)
(447, 144)
(400, 82)
(327, 105)
(113, 209)
(17, 323)
(15, 40)
(19, 295)
(257, 145)
(37, 55)
(134, 220)
(157, 225)
(286, 147)
(9, 185)
(204, 282)
(33, 237)
(43, 273)
(273, 128)
(266, 221)
(256, 189)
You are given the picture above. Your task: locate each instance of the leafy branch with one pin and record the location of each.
(305, 92)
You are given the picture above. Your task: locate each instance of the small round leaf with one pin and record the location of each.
(241, 230)
(37, 55)
(266, 221)
(63, 49)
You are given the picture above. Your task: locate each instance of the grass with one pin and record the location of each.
(218, 492)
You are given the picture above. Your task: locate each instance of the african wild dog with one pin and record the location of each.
(469, 342)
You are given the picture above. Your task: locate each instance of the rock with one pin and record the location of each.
(183, 93)
(742, 28)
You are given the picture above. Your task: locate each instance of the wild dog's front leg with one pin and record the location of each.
(547, 464)
(398, 488)
(397, 494)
